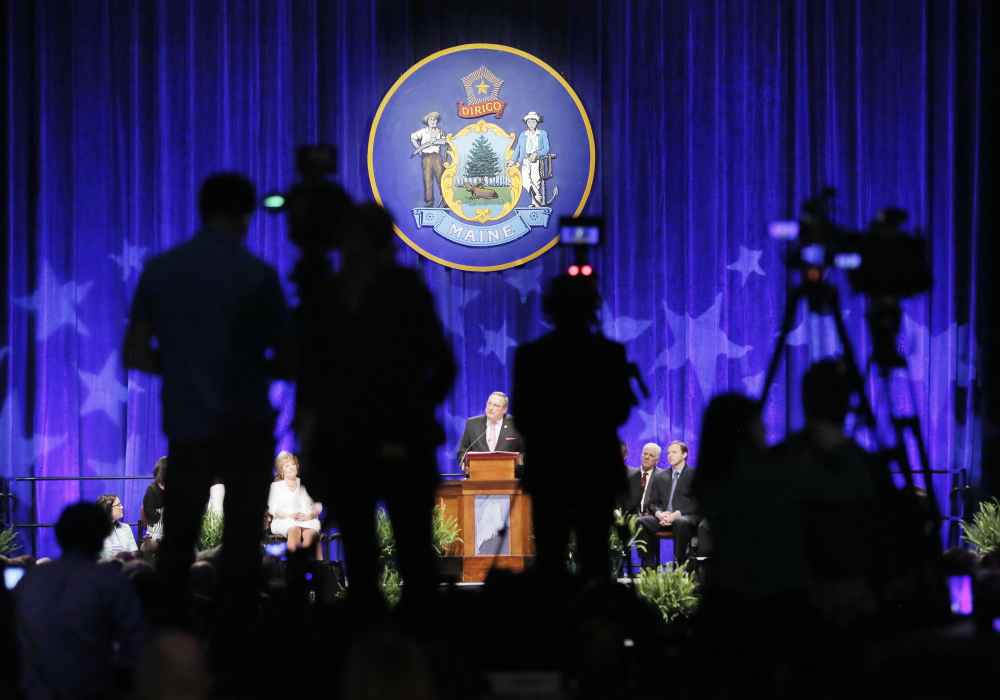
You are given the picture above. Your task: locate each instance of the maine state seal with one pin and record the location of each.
(478, 150)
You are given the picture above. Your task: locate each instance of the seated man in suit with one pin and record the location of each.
(670, 500)
(636, 500)
(492, 432)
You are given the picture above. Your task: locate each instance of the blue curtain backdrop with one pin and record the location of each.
(711, 118)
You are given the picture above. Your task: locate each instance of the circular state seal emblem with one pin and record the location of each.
(477, 151)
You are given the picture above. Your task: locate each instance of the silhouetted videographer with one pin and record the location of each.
(206, 316)
(375, 367)
(885, 265)
(572, 391)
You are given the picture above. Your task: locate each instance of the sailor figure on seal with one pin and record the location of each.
(532, 146)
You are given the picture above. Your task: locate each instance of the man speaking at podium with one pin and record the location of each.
(492, 432)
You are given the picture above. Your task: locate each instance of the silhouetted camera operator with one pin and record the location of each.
(572, 391)
(376, 365)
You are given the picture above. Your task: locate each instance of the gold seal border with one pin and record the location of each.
(492, 47)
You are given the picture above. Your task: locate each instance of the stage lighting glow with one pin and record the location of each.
(814, 254)
(573, 270)
(586, 270)
(960, 588)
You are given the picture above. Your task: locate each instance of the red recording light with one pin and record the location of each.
(574, 270)
(587, 270)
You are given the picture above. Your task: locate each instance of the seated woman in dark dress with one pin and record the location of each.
(152, 502)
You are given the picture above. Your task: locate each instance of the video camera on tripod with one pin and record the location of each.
(316, 206)
(882, 263)
(317, 212)
(885, 265)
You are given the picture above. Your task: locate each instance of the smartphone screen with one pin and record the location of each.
(11, 575)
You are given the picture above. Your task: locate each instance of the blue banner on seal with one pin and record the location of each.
(459, 231)
(486, 146)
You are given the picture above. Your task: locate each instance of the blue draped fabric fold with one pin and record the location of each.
(711, 119)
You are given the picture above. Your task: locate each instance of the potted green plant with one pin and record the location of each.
(8, 541)
(211, 530)
(623, 540)
(984, 530)
(672, 589)
(445, 534)
(445, 531)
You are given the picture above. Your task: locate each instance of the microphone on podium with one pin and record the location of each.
(461, 461)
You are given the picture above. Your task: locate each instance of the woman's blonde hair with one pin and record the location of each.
(283, 460)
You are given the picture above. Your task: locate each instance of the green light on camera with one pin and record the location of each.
(274, 201)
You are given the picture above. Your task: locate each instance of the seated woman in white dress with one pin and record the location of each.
(121, 538)
(295, 515)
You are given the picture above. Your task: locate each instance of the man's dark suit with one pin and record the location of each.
(684, 527)
(475, 435)
(633, 493)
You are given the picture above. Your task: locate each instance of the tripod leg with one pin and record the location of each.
(864, 406)
(791, 308)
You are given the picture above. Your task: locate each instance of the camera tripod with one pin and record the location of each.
(910, 582)
(822, 297)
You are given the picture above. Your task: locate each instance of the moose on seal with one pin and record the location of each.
(480, 192)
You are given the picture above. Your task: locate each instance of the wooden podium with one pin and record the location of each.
(489, 499)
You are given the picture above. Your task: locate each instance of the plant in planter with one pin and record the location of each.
(445, 530)
(391, 586)
(445, 534)
(8, 541)
(386, 538)
(623, 540)
(211, 530)
(671, 588)
(984, 530)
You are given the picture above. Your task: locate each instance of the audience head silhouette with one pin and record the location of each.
(82, 528)
(226, 201)
(826, 392)
(371, 236)
(731, 425)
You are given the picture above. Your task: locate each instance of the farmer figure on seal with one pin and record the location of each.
(430, 144)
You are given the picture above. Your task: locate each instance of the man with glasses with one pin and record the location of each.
(493, 431)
